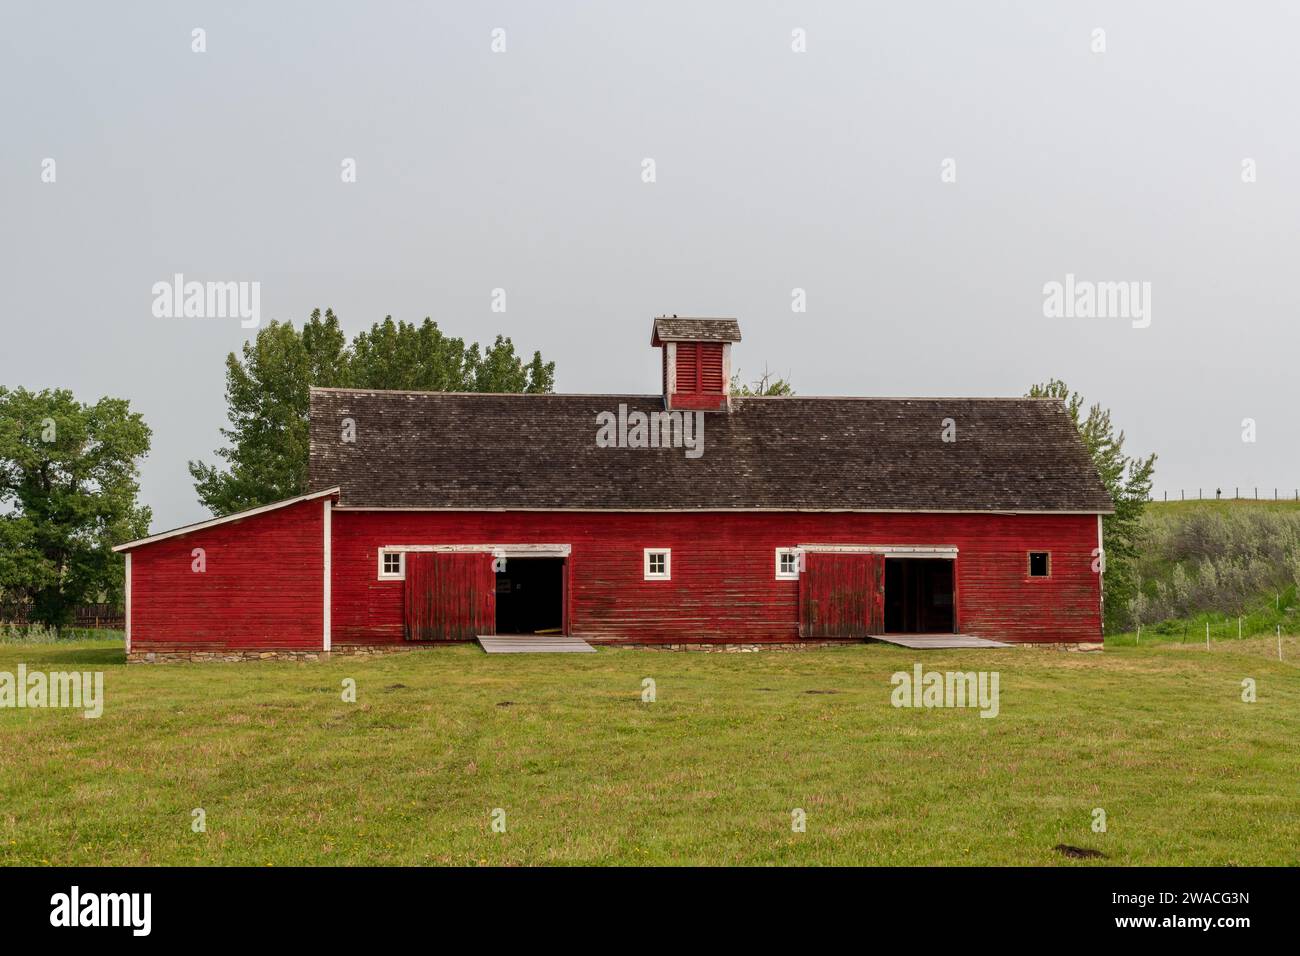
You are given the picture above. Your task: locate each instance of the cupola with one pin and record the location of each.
(696, 361)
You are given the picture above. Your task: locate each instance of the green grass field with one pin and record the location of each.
(586, 772)
(1224, 505)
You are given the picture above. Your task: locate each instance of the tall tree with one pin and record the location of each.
(501, 370)
(403, 355)
(69, 483)
(268, 394)
(1129, 482)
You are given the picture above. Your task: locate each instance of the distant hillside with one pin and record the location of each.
(1216, 560)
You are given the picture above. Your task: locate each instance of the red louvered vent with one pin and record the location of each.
(687, 367)
(710, 361)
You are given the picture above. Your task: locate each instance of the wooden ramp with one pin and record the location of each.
(934, 641)
(534, 644)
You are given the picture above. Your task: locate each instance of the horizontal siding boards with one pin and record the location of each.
(263, 588)
(723, 585)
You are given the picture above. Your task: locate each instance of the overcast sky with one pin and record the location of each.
(774, 170)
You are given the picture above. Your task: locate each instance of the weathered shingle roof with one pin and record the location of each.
(673, 329)
(477, 451)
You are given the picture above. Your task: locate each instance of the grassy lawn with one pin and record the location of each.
(288, 773)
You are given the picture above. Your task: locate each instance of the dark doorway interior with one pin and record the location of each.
(530, 596)
(918, 596)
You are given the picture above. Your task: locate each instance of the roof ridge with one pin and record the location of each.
(656, 395)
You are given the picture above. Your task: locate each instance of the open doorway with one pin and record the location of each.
(919, 596)
(530, 596)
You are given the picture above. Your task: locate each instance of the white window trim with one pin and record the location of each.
(667, 574)
(386, 576)
(787, 575)
(1029, 565)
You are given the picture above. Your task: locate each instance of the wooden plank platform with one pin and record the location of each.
(534, 644)
(934, 641)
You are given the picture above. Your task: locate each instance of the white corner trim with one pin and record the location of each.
(127, 613)
(237, 516)
(670, 350)
(1101, 590)
(328, 557)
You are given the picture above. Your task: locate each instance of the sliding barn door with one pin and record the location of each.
(841, 595)
(449, 597)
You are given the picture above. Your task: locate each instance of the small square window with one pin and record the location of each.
(392, 565)
(658, 564)
(787, 564)
(1040, 564)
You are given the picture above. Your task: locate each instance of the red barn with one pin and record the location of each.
(687, 518)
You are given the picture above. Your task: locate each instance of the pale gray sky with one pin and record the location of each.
(775, 170)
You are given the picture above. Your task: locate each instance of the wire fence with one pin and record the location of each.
(1221, 494)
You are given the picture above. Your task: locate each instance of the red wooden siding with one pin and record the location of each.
(263, 587)
(841, 595)
(448, 597)
(723, 585)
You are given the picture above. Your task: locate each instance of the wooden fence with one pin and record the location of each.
(87, 615)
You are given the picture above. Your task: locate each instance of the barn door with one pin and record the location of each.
(449, 597)
(841, 595)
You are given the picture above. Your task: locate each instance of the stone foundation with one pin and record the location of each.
(1069, 646)
(717, 648)
(173, 656)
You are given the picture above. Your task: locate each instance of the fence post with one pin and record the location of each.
(1239, 627)
(1207, 635)
(1279, 642)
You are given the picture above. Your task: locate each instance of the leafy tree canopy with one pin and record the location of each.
(268, 393)
(68, 493)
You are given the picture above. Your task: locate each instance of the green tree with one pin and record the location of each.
(765, 384)
(501, 370)
(69, 483)
(402, 355)
(1129, 482)
(268, 394)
